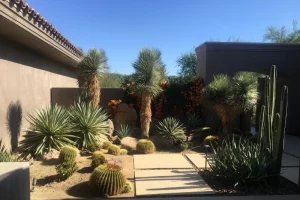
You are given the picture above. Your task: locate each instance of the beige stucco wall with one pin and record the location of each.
(26, 78)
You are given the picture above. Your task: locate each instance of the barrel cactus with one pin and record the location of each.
(107, 179)
(114, 150)
(106, 144)
(211, 140)
(98, 159)
(128, 187)
(145, 146)
(68, 154)
(123, 152)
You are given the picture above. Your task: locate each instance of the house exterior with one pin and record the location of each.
(34, 57)
(229, 57)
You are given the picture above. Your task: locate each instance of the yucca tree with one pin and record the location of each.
(219, 94)
(245, 94)
(92, 64)
(147, 77)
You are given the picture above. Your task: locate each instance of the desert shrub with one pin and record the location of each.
(98, 159)
(211, 140)
(89, 123)
(128, 187)
(241, 163)
(123, 131)
(171, 130)
(66, 169)
(114, 150)
(123, 152)
(145, 146)
(107, 179)
(106, 144)
(49, 129)
(193, 120)
(8, 157)
(68, 154)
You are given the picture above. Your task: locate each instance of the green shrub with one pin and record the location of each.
(49, 129)
(145, 146)
(107, 180)
(68, 154)
(123, 152)
(89, 123)
(241, 163)
(98, 159)
(171, 130)
(211, 140)
(8, 157)
(66, 169)
(124, 131)
(128, 187)
(114, 150)
(106, 144)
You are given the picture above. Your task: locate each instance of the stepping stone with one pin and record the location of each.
(198, 159)
(161, 161)
(170, 182)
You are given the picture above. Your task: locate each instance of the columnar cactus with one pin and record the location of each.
(272, 125)
(107, 179)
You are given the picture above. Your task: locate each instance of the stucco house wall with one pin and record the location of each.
(26, 78)
(229, 58)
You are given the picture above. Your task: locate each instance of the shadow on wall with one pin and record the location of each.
(14, 122)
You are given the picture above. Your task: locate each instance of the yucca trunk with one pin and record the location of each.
(93, 90)
(145, 115)
(227, 114)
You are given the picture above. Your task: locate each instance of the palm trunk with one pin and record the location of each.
(94, 90)
(145, 115)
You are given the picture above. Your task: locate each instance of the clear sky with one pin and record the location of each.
(122, 27)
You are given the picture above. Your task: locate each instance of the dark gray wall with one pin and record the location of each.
(67, 96)
(229, 58)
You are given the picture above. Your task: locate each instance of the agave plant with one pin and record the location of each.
(93, 63)
(124, 131)
(172, 130)
(89, 123)
(49, 129)
(148, 76)
(193, 120)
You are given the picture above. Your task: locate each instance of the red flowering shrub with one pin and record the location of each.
(113, 107)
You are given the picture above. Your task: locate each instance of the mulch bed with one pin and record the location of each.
(286, 187)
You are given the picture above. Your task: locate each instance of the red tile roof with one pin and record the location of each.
(54, 33)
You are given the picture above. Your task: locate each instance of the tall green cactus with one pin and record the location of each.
(272, 126)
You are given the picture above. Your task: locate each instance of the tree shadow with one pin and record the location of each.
(14, 122)
(80, 190)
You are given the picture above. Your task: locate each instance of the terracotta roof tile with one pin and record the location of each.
(55, 34)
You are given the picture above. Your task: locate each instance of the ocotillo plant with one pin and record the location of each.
(272, 125)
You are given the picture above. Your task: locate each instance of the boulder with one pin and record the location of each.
(125, 115)
(129, 143)
(111, 128)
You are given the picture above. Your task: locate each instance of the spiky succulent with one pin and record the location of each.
(171, 130)
(145, 146)
(107, 179)
(123, 131)
(89, 123)
(114, 150)
(98, 159)
(49, 129)
(68, 154)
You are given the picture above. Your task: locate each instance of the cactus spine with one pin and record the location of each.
(272, 125)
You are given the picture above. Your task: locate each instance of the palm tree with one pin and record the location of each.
(245, 94)
(147, 77)
(92, 64)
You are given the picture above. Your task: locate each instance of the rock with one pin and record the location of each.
(160, 143)
(111, 128)
(129, 143)
(125, 115)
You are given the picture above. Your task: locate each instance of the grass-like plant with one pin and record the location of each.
(68, 154)
(49, 129)
(123, 152)
(107, 179)
(171, 130)
(98, 159)
(89, 123)
(106, 144)
(113, 150)
(145, 146)
(123, 130)
(241, 162)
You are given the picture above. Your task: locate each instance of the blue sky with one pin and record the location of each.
(122, 27)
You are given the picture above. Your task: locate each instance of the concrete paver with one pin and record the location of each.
(291, 174)
(198, 160)
(161, 161)
(170, 182)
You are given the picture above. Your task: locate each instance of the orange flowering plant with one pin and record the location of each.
(113, 107)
